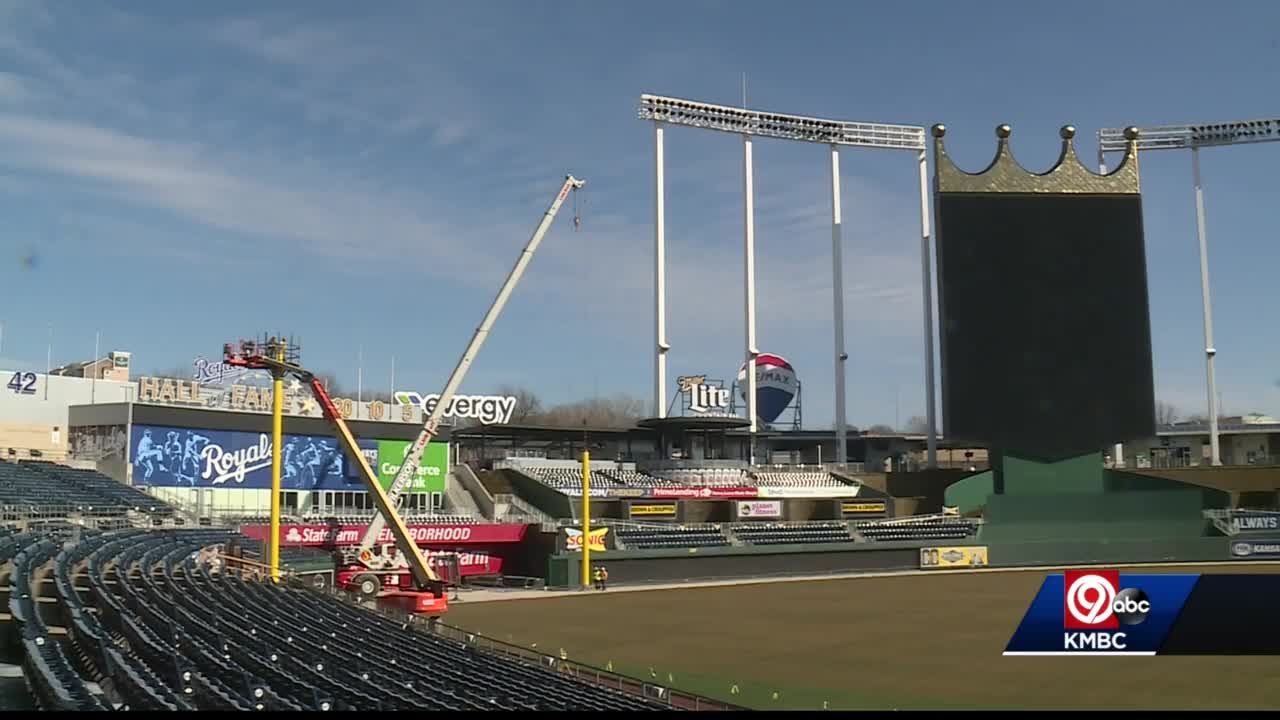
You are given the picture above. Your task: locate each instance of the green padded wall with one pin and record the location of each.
(1098, 516)
(970, 493)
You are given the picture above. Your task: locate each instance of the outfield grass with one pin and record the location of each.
(895, 642)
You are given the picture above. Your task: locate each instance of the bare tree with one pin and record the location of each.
(618, 411)
(880, 428)
(180, 372)
(528, 407)
(1166, 413)
(332, 385)
(917, 424)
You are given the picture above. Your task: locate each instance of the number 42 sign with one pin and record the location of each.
(23, 383)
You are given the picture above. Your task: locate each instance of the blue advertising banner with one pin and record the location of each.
(1255, 549)
(1255, 521)
(186, 457)
(1106, 612)
(1091, 612)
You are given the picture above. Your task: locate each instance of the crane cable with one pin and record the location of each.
(578, 205)
(577, 216)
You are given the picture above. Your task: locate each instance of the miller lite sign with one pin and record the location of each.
(704, 397)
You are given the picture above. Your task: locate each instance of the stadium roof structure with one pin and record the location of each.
(694, 422)
(537, 432)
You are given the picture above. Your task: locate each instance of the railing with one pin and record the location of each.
(915, 519)
(471, 483)
(1222, 519)
(661, 465)
(14, 454)
(581, 671)
(849, 468)
(628, 524)
(523, 510)
(1164, 462)
(791, 467)
(24, 515)
(530, 656)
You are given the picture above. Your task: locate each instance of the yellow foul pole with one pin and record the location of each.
(586, 519)
(277, 440)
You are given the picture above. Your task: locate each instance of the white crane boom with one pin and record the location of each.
(413, 456)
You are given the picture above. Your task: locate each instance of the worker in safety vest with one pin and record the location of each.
(597, 577)
(604, 577)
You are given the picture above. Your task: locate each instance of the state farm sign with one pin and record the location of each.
(473, 563)
(315, 535)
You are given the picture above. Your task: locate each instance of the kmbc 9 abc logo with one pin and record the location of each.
(1093, 600)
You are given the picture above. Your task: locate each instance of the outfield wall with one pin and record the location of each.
(654, 566)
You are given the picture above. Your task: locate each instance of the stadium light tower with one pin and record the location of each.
(834, 134)
(1194, 137)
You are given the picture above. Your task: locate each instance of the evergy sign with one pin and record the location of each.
(488, 409)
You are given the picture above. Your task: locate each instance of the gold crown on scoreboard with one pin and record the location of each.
(1006, 175)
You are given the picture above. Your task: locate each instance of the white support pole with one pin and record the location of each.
(659, 278)
(926, 272)
(93, 384)
(1210, 351)
(749, 238)
(837, 295)
(1117, 452)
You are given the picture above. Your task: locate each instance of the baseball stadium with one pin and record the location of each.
(236, 538)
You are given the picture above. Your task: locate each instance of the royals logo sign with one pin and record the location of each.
(221, 465)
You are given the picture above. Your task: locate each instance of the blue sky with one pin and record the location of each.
(364, 175)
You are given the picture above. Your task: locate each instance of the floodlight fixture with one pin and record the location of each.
(1194, 137)
(1184, 137)
(740, 121)
(835, 134)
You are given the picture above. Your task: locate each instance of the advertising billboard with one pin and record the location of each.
(1255, 549)
(449, 534)
(872, 507)
(808, 492)
(652, 510)
(760, 508)
(432, 471)
(932, 558)
(703, 493)
(573, 539)
(192, 457)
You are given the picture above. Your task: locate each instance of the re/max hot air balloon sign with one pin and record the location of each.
(776, 385)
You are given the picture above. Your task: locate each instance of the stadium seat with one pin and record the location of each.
(680, 536)
(40, 487)
(773, 533)
(169, 633)
(796, 479)
(924, 529)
